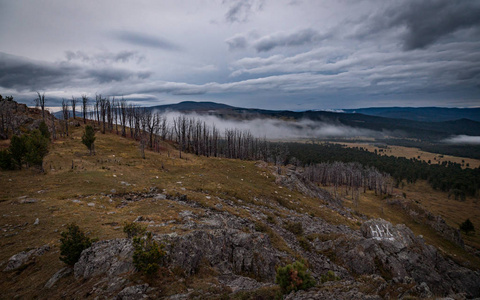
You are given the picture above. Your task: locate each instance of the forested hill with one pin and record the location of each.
(425, 114)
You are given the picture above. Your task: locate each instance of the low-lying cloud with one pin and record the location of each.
(463, 140)
(274, 129)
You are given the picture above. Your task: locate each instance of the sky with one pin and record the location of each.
(272, 54)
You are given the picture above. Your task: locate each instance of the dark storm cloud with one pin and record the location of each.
(427, 21)
(105, 57)
(240, 10)
(140, 39)
(23, 74)
(301, 37)
(237, 42)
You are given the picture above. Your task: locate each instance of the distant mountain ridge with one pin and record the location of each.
(423, 114)
(433, 129)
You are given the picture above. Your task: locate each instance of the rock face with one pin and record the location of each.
(105, 258)
(226, 250)
(60, 274)
(379, 259)
(21, 259)
(395, 253)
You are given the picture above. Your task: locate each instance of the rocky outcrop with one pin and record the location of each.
(57, 276)
(226, 250)
(24, 258)
(294, 180)
(105, 258)
(437, 223)
(395, 253)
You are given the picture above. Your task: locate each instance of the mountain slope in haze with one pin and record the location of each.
(424, 114)
(399, 127)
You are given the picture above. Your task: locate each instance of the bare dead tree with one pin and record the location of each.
(40, 102)
(84, 107)
(73, 102)
(123, 116)
(66, 114)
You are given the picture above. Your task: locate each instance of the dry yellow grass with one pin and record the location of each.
(410, 152)
(118, 165)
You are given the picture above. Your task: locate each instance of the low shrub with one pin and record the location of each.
(294, 277)
(329, 276)
(148, 255)
(133, 229)
(72, 243)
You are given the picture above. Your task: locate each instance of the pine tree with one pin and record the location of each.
(467, 226)
(88, 138)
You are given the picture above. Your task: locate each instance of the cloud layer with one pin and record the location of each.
(256, 53)
(463, 140)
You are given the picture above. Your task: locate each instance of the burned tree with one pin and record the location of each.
(73, 102)
(40, 102)
(84, 108)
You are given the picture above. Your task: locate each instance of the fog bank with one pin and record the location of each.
(281, 129)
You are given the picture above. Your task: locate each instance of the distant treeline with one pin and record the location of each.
(448, 177)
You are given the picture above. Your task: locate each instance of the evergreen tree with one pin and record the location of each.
(36, 148)
(72, 243)
(88, 138)
(18, 149)
(44, 130)
(467, 226)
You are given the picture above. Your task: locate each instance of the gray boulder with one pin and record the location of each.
(135, 292)
(105, 258)
(57, 276)
(25, 257)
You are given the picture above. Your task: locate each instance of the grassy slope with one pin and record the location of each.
(118, 165)
(118, 160)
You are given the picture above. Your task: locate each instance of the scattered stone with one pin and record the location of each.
(20, 259)
(113, 191)
(76, 201)
(27, 201)
(37, 221)
(57, 276)
(139, 219)
(160, 197)
(135, 292)
(218, 206)
(91, 204)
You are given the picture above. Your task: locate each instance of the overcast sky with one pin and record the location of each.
(271, 54)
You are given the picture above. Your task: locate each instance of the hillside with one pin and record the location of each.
(226, 224)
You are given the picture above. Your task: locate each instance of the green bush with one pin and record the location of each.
(72, 243)
(294, 277)
(18, 149)
(88, 138)
(134, 229)
(37, 147)
(6, 161)
(467, 226)
(329, 276)
(44, 130)
(148, 255)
